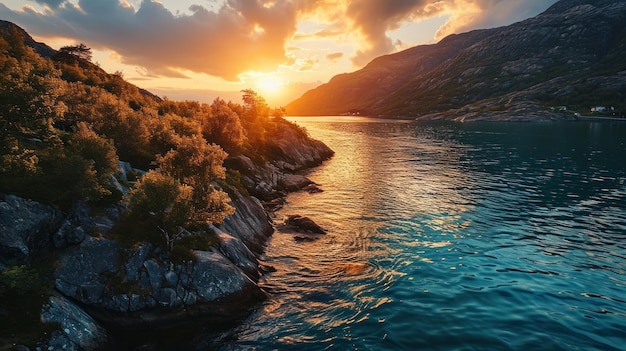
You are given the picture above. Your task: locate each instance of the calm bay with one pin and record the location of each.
(482, 236)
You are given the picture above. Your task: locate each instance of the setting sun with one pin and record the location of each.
(269, 85)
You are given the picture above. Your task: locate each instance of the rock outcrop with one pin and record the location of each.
(25, 228)
(103, 289)
(78, 330)
(290, 151)
(140, 288)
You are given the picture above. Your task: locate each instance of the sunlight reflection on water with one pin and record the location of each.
(452, 237)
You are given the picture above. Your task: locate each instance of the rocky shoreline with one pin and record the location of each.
(104, 292)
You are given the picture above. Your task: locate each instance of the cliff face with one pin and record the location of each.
(521, 68)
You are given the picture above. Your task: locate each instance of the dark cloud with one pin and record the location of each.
(373, 18)
(243, 35)
(50, 3)
(491, 13)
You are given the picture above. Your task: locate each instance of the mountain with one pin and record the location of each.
(68, 63)
(570, 55)
(40, 48)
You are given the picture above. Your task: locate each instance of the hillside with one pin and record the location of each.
(570, 55)
(123, 212)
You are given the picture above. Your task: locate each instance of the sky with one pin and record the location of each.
(202, 49)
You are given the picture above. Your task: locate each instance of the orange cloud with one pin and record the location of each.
(251, 35)
(334, 56)
(219, 43)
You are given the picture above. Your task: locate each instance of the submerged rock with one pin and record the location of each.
(302, 224)
(312, 189)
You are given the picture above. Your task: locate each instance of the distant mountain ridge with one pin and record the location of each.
(573, 55)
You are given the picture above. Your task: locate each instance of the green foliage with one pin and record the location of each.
(66, 123)
(169, 207)
(81, 51)
(180, 194)
(194, 162)
(90, 146)
(29, 90)
(254, 117)
(233, 181)
(223, 127)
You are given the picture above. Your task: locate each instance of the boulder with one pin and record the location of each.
(144, 290)
(302, 224)
(214, 277)
(250, 223)
(25, 228)
(75, 226)
(293, 151)
(81, 270)
(238, 253)
(293, 182)
(78, 330)
(275, 204)
(241, 163)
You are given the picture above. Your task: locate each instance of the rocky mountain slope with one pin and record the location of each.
(571, 55)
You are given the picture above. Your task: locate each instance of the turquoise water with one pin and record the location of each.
(451, 237)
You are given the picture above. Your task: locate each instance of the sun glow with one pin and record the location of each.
(269, 85)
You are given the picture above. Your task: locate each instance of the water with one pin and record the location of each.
(451, 237)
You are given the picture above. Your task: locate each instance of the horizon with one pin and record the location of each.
(178, 50)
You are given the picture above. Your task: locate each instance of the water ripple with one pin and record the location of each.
(452, 237)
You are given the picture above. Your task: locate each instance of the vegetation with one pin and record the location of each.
(80, 51)
(23, 291)
(66, 124)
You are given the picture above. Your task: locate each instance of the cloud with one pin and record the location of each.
(303, 65)
(50, 3)
(334, 56)
(372, 19)
(243, 35)
(474, 14)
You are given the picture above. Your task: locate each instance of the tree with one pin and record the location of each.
(255, 115)
(99, 152)
(164, 203)
(198, 165)
(222, 126)
(29, 91)
(81, 51)
(194, 162)
(180, 194)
